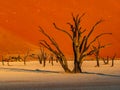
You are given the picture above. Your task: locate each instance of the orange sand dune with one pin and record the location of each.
(23, 18)
(11, 44)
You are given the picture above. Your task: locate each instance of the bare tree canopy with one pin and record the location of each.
(80, 43)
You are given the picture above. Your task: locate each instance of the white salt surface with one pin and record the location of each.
(34, 76)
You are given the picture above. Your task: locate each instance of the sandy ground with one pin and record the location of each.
(34, 76)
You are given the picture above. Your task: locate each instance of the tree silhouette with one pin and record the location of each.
(113, 58)
(80, 43)
(97, 51)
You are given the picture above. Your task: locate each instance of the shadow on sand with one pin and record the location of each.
(28, 70)
(48, 71)
(102, 74)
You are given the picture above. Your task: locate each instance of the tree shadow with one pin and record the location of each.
(29, 70)
(102, 74)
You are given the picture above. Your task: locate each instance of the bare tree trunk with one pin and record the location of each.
(77, 65)
(56, 60)
(66, 69)
(25, 57)
(8, 62)
(107, 59)
(52, 62)
(64, 64)
(44, 63)
(98, 64)
(44, 56)
(40, 59)
(51, 58)
(97, 59)
(3, 61)
(24, 60)
(112, 63)
(113, 58)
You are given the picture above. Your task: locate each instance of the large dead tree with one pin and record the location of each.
(80, 45)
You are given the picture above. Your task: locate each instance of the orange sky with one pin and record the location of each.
(22, 17)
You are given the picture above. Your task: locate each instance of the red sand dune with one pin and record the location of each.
(23, 18)
(11, 44)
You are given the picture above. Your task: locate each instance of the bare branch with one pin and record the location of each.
(114, 56)
(83, 31)
(51, 39)
(103, 46)
(56, 45)
(82, 43)
(82, 15)
(63, 31)
(48, 47)
(91, 52)
(77, 18)
(93, 28)
(98, 37)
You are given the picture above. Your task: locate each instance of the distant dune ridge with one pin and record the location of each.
(12, 44)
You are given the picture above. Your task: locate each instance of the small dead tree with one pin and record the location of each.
(44, 59)
(56, 60)
(97, 52)
(43, 56)
(25, 57)
(5, 59)
(80, 45)
(106, 60)
(19, 58)
(40, 59)
(113, 58)
(51, 59)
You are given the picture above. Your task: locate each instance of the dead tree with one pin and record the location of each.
(106, 60)
(44, 59)
(80, 45)
(51, 59)
(43, 56)
(113, 58)
(97, 52)
(19, 58)
(25, 57)
(5, 60)
(40, 59)
(56, 60)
